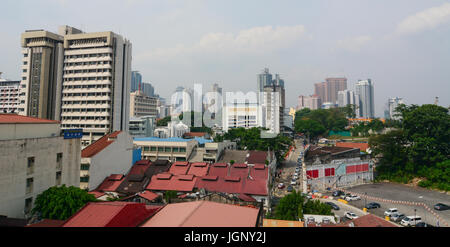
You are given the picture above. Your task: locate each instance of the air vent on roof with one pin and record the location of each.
(233, 179)
(186, 177)
(164, 176)
(210, 178)
(200, 164)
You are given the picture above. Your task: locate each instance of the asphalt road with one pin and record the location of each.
(398, 192)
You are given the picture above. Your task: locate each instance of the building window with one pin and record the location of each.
(182, 150)
(160, 149)
(59, 157)
(146, 149)
(58, 178)
(29, 188)
(176, 150)
(84, 167)
(152, 148)
(84, 179)
(28, 204)
(30, 165)
(167, 150)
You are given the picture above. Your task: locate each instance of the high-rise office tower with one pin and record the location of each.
(364, 88)
(274, 103)
(346, 97)
(136, 79)
(148, 89)
(392, 105)
(312, 102)
(96, 84)
(333, 86)
(40, 88)
(264, 79)
(319, 90)
(278, 81)
(143, 105)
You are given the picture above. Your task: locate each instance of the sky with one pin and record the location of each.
(402, 45)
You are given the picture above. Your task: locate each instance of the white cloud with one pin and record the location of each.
(427, 19)
(257, 40)
(354, 44)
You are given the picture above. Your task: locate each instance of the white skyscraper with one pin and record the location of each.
(96, 84)
(364, 88)
(392, 104)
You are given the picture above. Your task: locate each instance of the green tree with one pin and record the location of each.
(311, 127)
(163, 121)
(60, 203)
(168, 195)
(294, 205)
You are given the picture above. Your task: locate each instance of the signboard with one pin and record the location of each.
(73, 133)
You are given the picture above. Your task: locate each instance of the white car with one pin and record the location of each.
(293, 182)
(390, 212)
(352, 198)
(350, 215)
(295, 177)
(411, 220)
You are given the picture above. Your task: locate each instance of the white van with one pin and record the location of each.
(390, 212)
(411, 220)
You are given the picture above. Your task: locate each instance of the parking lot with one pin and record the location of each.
(398, 192)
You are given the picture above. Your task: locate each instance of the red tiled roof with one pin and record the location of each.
(361, 146)
(148, 195)
(246, 198)
(218, 169)
(48, 223)
(111, 214)
(179, 168)
(257, 157)
(97, 194)
(259, 171)
(199, 169)
(181, 183)
(239, 170)
(139, 167)
(98, 145)
(255, 187)
(111, 183)
(14, 118)
(203, 214)
(218, 185)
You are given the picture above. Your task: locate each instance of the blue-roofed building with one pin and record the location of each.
(173, 149)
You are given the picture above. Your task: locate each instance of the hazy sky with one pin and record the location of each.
(402, 45)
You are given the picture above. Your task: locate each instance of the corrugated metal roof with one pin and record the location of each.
(199, 169)
(203, 214)
(174, 183)
(179, 168)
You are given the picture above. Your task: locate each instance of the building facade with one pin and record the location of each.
(9, 96)
(245, 115)
(142, 105)
(111, 154)
(312, 102)
(42, 68)
(328, 91)
(173, 149)
(136, 80)
(142, 126)
(33, 157)
(96, 84)
(393, 103)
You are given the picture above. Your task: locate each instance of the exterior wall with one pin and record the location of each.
(241, 115)
(142, 105)
(22, 131)
(214, 150)
(116, 158)
(338, 173)
(366, 96)
(14, 156)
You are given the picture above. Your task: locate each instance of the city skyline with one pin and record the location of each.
(403, 54)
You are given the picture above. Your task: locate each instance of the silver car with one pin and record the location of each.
(397, 217)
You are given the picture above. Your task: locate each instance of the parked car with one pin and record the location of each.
(352, 198)
(281, 186)
(337, 193)
(423, 224)
(350, 215)
(390, 212)
(334, 206)
(373, 205)
(290, 188)
(297, 169)
(441, 207)
(343, 196)
(293, 182)
(397, 217)
(411, 220)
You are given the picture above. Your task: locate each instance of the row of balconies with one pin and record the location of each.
(80, 98)
(87, 82)
(87, 59)
(85, 114)
(91, 74)
(89, 66)
(87, 90)
(76, 106)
